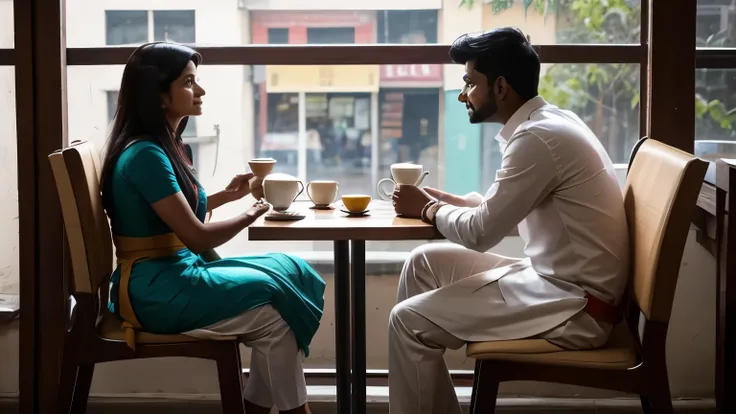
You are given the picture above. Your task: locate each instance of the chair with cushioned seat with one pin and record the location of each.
(660, 196)
(94, 334)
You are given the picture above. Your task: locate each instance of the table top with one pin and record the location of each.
(381, 223)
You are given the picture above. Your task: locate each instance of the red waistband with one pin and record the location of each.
(602, 311)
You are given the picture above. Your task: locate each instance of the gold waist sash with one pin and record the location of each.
(129, 251)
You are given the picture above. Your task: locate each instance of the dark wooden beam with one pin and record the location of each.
(358, 54)
(722, 58)
(51, 132)
(27, 205)
(671, 80)
(40, 60)
(644, 70)
(7, 57)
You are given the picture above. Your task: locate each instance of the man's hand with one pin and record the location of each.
(452, 199)
(410, 200)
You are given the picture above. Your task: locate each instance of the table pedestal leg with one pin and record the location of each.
(342, 325)
(359, 329)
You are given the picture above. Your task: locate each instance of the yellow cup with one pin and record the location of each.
(356, 203)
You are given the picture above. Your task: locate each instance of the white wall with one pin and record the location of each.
(8, 161)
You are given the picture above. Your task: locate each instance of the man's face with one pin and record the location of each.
(477, 95)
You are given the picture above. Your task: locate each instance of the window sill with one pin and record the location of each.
(9, 307)
(377, 263)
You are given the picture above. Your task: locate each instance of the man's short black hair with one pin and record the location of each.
(501, 52)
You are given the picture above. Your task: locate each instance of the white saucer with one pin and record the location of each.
(354, 213)
(288, 215)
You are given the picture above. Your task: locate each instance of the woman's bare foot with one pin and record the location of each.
(251, 408)
(304, 409)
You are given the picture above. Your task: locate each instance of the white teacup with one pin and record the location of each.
(403, 173)
(322, 192)
(280, 190)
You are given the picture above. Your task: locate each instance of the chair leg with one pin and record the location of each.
(485, 389)
(659, 402)
(67, 382)
(81, 388)
(230, 375)
(658, 399)
(646, 408)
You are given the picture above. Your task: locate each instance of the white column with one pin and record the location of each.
(375, 141)
(302, 140)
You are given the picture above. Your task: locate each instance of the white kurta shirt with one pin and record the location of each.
(558, 185)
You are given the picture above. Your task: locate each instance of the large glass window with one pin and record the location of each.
(715, 89)
(329, 122)
(351, 122)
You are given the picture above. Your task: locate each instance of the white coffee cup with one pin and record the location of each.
(322, 192)
(403, 173)
(280, 190)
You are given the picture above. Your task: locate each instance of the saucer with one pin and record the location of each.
(287, 215)
(321, 207)
(355, 213)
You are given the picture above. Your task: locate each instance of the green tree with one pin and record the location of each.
(715, 90)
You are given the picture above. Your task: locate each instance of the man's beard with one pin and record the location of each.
(478, 116)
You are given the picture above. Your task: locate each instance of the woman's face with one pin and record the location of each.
(185, 95)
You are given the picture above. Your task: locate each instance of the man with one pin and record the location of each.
(558, 185)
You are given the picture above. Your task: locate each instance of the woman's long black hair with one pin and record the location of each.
(149, 72)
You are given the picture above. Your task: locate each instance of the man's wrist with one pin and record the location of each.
(429, 212)
(423, 214)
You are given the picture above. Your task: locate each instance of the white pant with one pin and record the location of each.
(276, 373)
(442, 289)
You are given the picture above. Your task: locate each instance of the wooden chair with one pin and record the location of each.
(94, 334)
(660, 194)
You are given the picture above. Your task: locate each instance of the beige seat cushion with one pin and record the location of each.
(619, 353)
(110, 328)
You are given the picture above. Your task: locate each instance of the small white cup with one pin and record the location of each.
(322, 192)
(404, 174)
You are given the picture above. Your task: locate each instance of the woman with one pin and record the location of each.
(157, 209)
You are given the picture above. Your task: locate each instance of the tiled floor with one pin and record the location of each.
(322, 402)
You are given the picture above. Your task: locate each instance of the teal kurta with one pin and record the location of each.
(183, 292)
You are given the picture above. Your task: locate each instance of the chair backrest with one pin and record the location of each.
(76, 170)
(660, 197)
